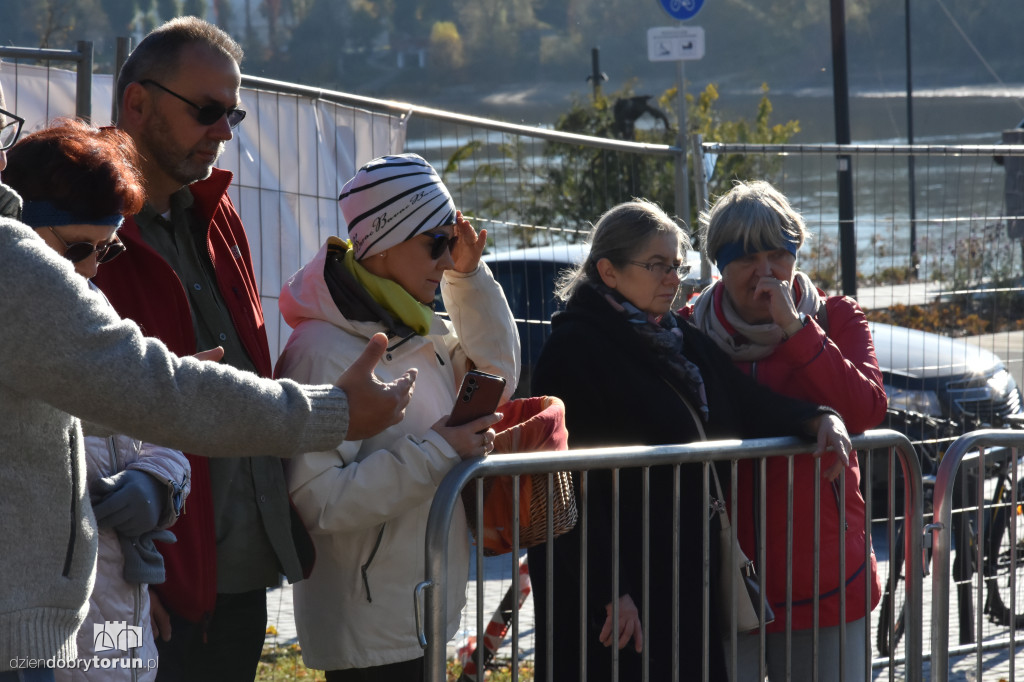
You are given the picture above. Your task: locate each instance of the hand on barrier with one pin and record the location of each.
(373, 405)
(832, 435)
(629, 625)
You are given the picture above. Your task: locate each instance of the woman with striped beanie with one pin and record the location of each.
(365, 503)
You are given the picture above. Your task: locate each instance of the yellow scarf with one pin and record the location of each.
(390, 295)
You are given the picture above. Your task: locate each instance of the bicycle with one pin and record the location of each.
(997, 552)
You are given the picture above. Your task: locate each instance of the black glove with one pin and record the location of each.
(131, 502)
(10, 203)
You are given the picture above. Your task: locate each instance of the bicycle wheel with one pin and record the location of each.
(999, 581)
(893, 607)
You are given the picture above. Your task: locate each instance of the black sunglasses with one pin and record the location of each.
(440, 243)
(79, 251)
(10, 128)
(209, 114)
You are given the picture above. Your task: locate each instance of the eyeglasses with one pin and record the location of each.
(440, 243)
(79, 251)
(10, 128)
(662, 269)
(209, 114)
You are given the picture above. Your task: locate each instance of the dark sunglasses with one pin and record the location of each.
(79, 251)
(207, 115)
(440, 243)
(10, 129)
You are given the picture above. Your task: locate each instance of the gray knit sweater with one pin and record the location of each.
(63, 352)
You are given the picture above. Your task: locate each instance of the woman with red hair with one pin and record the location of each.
(77, 183)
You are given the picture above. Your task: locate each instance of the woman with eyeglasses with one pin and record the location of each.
(776, 326)
(10, 130)
(77, 183)
(365, 503)
(631, 372)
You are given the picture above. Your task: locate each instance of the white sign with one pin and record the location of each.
(675, 43)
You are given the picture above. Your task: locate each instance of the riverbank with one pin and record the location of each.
(966, 114)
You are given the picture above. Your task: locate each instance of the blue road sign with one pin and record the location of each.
(682, 9)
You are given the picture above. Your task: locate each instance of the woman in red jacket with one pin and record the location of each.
(778, 327)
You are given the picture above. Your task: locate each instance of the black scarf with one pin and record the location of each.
(665, 339)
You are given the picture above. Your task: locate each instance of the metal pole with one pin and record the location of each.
(840, 96)
(911, 184)
(682, 174)
(124, 48)
(83, 85)
(700, 190)
(596, 76)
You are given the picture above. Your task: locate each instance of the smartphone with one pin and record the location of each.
(479, 396)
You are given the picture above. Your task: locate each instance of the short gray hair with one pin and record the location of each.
(158, 54)
(754, 214)
(619, 235)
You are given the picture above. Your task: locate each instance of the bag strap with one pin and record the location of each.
(720, 506)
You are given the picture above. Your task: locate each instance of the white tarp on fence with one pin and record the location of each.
(291, 156)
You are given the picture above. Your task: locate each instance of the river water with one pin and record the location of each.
(958, 199)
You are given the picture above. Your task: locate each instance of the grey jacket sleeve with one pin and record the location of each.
(62, 345)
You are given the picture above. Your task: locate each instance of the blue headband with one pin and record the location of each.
(733, 250)
(45, 214)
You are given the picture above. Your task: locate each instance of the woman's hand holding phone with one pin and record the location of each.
(466, 428)
(473, 439)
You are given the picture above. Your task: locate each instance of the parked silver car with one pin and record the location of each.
(938, 387)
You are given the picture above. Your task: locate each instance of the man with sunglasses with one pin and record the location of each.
(187, 278)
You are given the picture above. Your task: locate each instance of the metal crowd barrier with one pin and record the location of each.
(432, 616)
(81, 56)
(975, 450)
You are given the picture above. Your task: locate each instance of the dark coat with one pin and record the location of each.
(616, 392)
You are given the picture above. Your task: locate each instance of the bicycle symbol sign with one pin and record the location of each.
(682, 9)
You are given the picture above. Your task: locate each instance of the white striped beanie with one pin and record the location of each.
(392, 199)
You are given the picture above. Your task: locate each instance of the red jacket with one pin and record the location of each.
(143, 287)
(838, 369)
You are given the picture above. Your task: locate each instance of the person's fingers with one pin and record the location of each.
(211, 355)
(832, 473)
(638, 637)
(372, 354)
(404, 386)
(483, 423)
(626, 632)
(606, 631)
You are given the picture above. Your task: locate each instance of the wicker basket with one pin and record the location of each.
(528, 425)
(533, 518)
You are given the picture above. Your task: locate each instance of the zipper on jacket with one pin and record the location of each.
(112, 451)
(835, 492)
(75, 478)
(137, 615)
(364, 569)
(399, 344)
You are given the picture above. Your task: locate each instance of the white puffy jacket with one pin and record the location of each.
(366, 502)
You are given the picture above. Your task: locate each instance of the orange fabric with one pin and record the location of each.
(528, 425)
